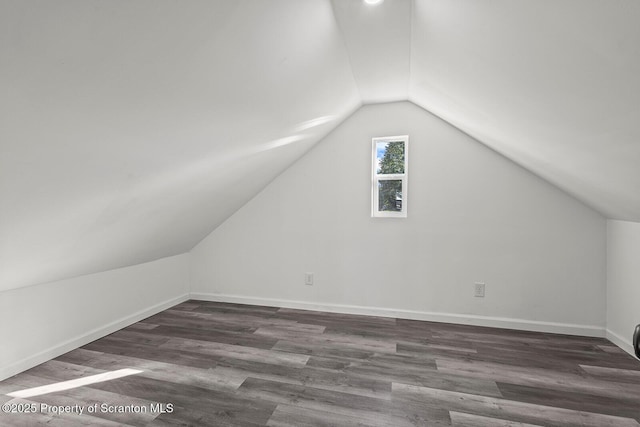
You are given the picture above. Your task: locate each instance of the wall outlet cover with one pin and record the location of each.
(308, 279)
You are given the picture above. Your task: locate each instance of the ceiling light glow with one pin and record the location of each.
(373, 1)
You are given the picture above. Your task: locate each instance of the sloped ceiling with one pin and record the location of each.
(130, 129)
(552, 85)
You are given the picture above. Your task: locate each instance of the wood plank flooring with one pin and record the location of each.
(214, 364)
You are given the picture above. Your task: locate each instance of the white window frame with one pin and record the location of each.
(376, 178)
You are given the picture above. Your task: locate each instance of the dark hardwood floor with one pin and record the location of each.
(213, 364)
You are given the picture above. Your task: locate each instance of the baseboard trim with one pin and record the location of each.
(495, 322)
(79, 341)
(620, 342)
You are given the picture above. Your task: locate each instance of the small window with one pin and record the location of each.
(389, 184)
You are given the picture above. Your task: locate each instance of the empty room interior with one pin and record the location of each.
(319, 213)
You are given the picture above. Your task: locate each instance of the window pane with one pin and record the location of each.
(390, 195)
(390, 157)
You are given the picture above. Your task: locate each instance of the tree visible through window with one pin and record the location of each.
(389, 190)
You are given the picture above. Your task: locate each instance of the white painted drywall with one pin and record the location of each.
(40, 322)
(130, 129)
(551, 85)
(378, 40)
(623, 281)
(473, 216)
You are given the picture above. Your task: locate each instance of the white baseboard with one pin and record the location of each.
(495, 322)
(620, 342)
(79, 341)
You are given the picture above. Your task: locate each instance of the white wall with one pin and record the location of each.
(623, 281)
(472, 216)
(40, 322)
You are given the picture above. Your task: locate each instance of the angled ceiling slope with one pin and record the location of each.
(130, 129)
(552, 85)
(378, 39)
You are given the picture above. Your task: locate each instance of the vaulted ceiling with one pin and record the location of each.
(130, 129)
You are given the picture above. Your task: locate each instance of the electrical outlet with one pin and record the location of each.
(479, 289)
(308, 279)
